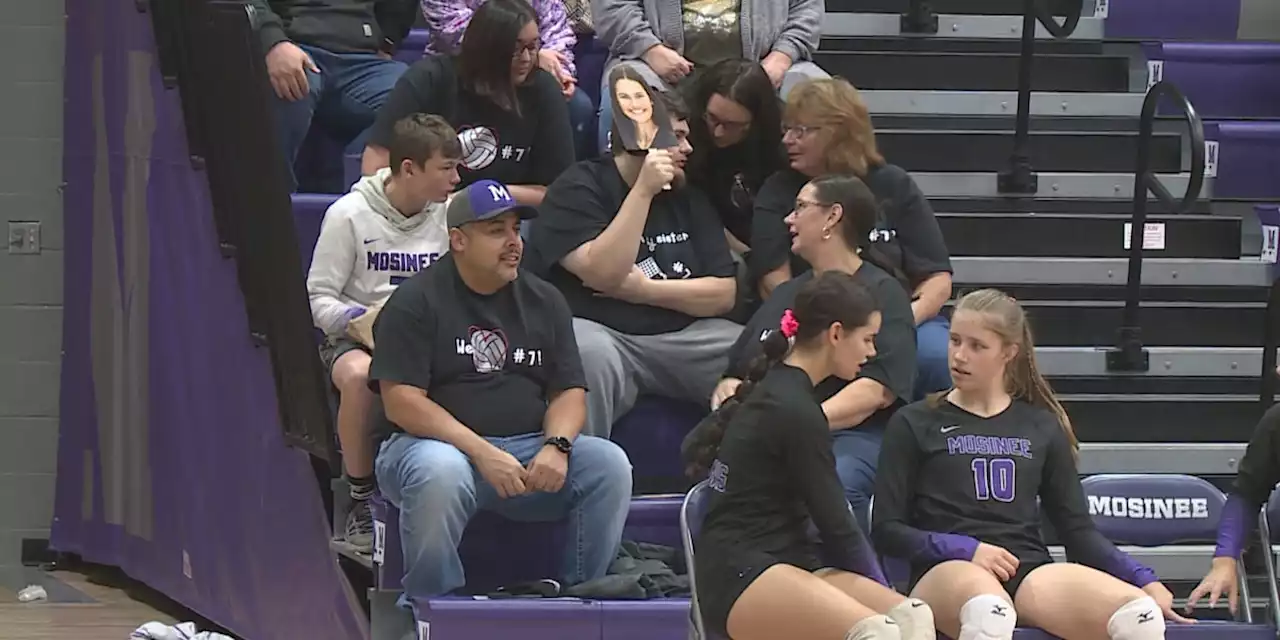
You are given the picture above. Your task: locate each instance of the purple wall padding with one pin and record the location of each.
(1174, 19)
(175, 426)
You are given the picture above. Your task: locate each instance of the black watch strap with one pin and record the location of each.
(561, 443)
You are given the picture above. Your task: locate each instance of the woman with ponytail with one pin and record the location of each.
(832, 219)
(961, 475)
(771, 472)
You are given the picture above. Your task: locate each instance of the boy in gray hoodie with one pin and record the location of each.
(389, 227)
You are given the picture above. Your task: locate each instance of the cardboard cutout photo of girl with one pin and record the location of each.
(640, 122)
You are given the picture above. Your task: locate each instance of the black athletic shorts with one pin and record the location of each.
(723, 574)
(1025, 567)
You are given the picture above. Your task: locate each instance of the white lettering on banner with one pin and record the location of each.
(1149, 508)
(499, 193)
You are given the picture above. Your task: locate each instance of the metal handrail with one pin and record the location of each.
(1020, 178)
(1129, 355)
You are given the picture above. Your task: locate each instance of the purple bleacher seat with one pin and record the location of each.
(1224, 79)
(413, 46)
(651, 434)
(308, 214)
(1248, 158)
(496, 551)
(542, 619)
(645, 619)
(1154, 510)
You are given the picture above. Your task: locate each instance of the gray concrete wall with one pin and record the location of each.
(32, 36)
(1260, 20)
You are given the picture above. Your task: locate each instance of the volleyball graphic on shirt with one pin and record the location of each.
(479, 147)
(488, 350)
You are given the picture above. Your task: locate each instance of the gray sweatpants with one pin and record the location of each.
(619, 367)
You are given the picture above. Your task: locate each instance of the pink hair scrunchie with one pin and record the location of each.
(789, 324)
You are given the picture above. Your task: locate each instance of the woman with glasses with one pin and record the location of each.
(511, 116)
(830, 224)
(735, 131)
(828, 130)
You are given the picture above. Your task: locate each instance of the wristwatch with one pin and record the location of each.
(561, 443)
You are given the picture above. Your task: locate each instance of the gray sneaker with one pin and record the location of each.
(359, 529)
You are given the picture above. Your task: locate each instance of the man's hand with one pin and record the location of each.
(776, 65)
(723, 391)
(287, 67)
(547, 470)
(503, 472)
(657, 172)
(669, 65)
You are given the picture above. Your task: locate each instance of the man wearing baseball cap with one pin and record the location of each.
(483, 397)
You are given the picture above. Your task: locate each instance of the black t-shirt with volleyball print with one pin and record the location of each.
(492, 361)
(683, 238)
(530, 147)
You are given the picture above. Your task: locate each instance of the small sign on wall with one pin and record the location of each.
(1155, 72)
(1100, 8)
(1211, 158)
(1152, 236)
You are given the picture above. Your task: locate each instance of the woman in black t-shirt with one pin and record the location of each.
(767, 456)
(511, 117)
(828, 130)
(735, 133)
(830, 223)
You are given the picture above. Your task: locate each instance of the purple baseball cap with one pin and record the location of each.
(484, 200)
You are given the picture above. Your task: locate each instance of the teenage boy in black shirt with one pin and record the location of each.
(483, 396)
(329, 61)
(643, 261)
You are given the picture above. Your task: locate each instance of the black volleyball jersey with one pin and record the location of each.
(949, 479)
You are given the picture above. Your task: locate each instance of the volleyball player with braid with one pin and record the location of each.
(956, 496)
(767, 454)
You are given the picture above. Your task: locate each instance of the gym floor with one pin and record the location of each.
(80, 605)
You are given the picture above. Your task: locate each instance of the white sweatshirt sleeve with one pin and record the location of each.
(331, 268)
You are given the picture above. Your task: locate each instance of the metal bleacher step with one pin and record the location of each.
(1001, 101)
(966, 7)
(944, 71)
(945, 42)
(1165, 362)
(1156, 271)
(1015, 204)
(1088, 235)
(950, 26)
(1007, 123)
(1197, 459)
(1092, 186)
(978, 150)
(1087, 323)
(1163, 417)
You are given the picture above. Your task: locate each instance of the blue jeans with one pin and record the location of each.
(581, 116)
(437, 490)
(932, 371)
(344, 98)
(857, 454)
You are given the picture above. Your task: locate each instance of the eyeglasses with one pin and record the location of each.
(531, 48)
(729, 125)
(800, 130)
(801, 204)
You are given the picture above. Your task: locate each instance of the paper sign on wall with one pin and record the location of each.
(1155, 72)
(1211, 158)
(1100, 8)
(1152, 236)
(1270, 243)
(424, 630)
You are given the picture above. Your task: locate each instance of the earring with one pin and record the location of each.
(826, 233)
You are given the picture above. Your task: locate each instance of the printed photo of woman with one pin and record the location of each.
(646, 125)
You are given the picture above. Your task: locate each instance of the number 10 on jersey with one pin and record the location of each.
(993, 478)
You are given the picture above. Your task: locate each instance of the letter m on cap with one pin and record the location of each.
(499, 193)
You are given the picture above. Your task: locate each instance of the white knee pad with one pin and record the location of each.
(875, 627)
(987, 617)
(1139, 619)
(915, 620)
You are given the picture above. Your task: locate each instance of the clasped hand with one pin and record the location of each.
(545, 473)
